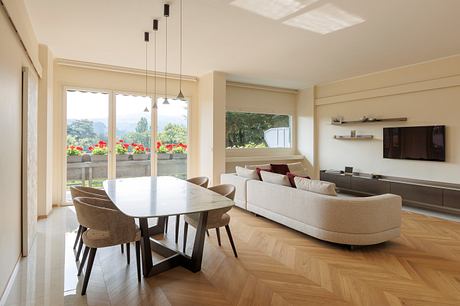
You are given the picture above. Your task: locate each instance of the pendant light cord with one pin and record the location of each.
(166, 62)
(180, 68)
(155, 68)
(146, 65)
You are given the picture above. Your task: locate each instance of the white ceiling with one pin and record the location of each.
(249, 46)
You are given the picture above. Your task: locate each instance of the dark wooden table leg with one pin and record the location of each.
(198, 246)
(147, 262)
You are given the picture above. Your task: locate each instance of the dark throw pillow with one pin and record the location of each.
(262, 169)
(279, 168)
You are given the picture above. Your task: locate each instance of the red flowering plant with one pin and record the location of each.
(180, 149)
(121, 147)
(74, 151)
(138, 148)
(161, 148)
(99, 149)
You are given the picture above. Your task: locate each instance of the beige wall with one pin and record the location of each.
(12, 59)
(45, 132)
(212, 91)
(306, 129)
(107, 78)
(427, 94)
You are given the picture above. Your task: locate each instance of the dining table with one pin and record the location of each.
(159, 197)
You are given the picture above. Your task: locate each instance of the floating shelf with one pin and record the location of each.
(357, 137)
(370, 121)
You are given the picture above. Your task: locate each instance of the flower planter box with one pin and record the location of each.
(74, 159)
(98, 158)
(140, 156)
(179, 156)
(164, 156)
(122, 157)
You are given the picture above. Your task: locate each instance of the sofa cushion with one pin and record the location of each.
(279, 168)
(274, 178)
(291, 177)
(316, 186)
(298, 169)
(247, 173)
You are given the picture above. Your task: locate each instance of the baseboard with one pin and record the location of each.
(9, 284)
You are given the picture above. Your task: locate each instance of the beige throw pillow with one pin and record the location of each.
(263, 166)
(247, 173)
(297, 169)
(315, 186)
(275, 178)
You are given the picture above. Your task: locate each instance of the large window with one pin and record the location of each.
(256, 130)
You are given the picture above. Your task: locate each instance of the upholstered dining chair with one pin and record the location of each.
(105, 227)
(201, 181)
(89, 192)
(216, 218)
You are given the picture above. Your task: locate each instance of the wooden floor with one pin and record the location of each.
(278, 266)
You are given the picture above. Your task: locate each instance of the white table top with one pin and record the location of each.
(146, 197)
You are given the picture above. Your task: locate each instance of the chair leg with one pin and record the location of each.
(207, 233)
(128, 255)
(89, 267)
(80, 246)
(218, 235)
(177, 227)
(185, 234)
(166, 224)
(122, 248)
(77, 237)
(138, 260)
(82, 263)
(229, 233)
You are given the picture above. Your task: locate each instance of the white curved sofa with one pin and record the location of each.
(345, 220)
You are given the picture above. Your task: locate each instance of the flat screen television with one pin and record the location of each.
(416, 142)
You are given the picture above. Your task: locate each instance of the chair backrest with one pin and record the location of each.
(201, 181)
(81, 191)
(92, 214)
(227, 190)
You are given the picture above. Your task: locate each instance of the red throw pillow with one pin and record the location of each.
(262, 169)
(291, 177)
(279, 168)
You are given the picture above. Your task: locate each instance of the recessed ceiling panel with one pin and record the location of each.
(325, 19)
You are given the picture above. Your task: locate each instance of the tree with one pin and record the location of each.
(173, 133)
(81, 132)
(142, 125)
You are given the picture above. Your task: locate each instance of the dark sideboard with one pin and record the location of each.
(443, 197)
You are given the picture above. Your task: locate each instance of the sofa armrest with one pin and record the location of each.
(240, 184)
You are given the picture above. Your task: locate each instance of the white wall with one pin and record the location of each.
(427, 94)
(306, 129)
(12, 59)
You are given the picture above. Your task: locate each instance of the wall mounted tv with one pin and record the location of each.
(416, 143)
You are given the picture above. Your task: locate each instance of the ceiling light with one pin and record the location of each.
(274, 9)
(325, 19)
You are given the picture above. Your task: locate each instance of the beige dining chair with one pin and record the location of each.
(216, 218)
(201, 181)
(105, 227)
(89, 192)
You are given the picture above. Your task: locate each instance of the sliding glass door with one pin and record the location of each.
(87, 138)
(133, 135)
(114, 135)
(172, 139)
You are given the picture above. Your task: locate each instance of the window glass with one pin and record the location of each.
(256, 130)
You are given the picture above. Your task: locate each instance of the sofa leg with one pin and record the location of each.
(351, 247)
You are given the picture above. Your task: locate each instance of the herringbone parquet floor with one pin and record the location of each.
(279, 266)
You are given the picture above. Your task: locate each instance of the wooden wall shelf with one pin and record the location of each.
(370, 121)
(357, 137)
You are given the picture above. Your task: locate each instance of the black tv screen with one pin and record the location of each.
(417, 143)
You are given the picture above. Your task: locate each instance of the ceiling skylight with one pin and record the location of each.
(325, 19)
(274, 9)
